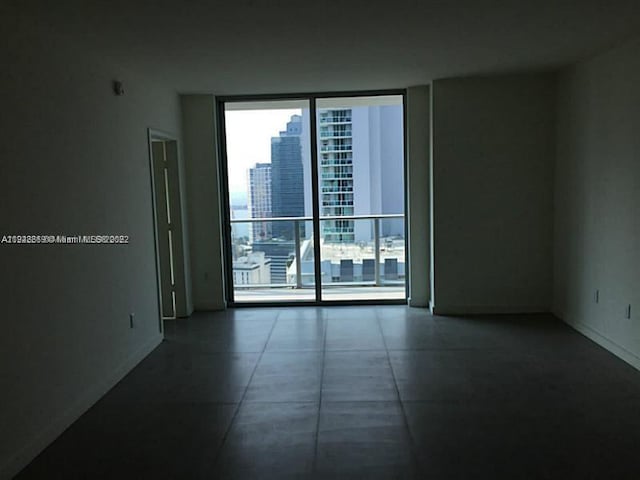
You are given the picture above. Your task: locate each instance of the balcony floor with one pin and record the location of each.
(345, 293)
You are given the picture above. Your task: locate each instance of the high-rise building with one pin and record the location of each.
(360, 164)
(279, 252)
(360, 159)
(259, 201)
(335, 144)
(287, 178)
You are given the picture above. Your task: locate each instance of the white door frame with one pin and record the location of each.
(176, 253)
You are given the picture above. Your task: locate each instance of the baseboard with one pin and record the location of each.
(414, 303)
(619, 351)
(25, 454)
(487, 309)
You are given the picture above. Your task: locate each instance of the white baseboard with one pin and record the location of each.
(26, 453)
(620, 352)
(487, 309)
(417, 303)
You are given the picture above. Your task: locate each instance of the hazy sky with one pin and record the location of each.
(249, 135)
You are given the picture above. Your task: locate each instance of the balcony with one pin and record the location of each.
(337, 189)
(336, 134)
(336, 148)
(326, 120)
(338, 203)
(337, 175)
(370, 265)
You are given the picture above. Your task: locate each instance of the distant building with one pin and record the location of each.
(280, 253)
(360, 172)
(259, 201)
(351, 263)
(253, 269)
(335, 145)
(287, 178)
(361, 165)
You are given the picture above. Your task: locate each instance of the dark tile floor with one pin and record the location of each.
(361, 392)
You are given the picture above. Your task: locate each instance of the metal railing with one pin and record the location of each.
(337, 176)
(336, 148)
(323, 119)
(337, 134)
(298, 243)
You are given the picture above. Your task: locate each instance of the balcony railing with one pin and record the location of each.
(337, 176)
(327, 163)
(335, 119)
(335, 148)
(336, 134)
(338, 203)
(337, 189)
(330, 232)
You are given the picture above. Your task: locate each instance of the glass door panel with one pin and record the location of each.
(270, 200)
(360, 151)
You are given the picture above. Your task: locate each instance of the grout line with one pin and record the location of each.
(244, 394)
(315, 402)
(412, 444)
(450, 349)
(355, 350)
(325, 322)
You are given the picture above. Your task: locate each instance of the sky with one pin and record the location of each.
(249, 135)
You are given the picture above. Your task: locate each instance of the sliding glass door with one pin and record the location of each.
(270, 206)
(361, 197)
(315, 199)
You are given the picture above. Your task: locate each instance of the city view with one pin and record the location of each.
(360, 159)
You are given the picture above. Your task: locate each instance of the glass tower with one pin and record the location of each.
(336, 173)
(287, 178)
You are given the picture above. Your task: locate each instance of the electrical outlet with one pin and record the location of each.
(131, 320)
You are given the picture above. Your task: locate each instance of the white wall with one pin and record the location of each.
(74, 160)
(203, 201)
(493, 150)
(597, 225)
(418, 208)
(184, 259)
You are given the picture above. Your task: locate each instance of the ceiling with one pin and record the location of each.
(273, 46)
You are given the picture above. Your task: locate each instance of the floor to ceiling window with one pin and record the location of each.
(315, 198)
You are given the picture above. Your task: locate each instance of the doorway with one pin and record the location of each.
(167, 216)
(314, 194)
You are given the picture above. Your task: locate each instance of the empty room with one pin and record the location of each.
(324, 240)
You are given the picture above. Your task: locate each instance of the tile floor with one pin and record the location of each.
(360, 392)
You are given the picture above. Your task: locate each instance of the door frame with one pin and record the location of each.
(155, 135)
(225, 204)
